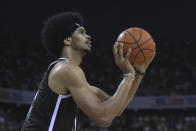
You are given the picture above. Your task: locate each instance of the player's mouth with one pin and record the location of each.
(88, 42)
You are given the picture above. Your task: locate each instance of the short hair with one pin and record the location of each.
(57, 28)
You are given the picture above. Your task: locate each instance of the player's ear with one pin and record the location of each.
(67, 41)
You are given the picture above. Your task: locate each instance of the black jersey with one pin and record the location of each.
(50, 111)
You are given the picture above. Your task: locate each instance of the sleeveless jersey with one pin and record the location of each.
(50, 111)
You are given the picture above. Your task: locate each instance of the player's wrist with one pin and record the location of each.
(140, 72)
(131, 75)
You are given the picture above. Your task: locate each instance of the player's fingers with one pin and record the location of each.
(128, 54)
(121, 51)
(153, 55)
(115, 50)
(151, 59)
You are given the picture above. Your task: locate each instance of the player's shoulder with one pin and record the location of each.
(66, 68)
(66, 72)
(62, 76)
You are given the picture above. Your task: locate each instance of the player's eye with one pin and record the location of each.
(81, 32)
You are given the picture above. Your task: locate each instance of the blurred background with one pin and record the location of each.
(166, 98)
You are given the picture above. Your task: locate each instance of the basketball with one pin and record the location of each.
(140, 41)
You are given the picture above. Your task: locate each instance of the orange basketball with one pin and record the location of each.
(141, 42)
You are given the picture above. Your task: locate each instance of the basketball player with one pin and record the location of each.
(64, 89)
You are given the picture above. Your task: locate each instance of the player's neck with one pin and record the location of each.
(74, 56)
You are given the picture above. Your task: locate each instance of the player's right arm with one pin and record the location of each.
(70, 77)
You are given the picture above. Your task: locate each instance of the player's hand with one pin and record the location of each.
(122, 61)
(143, 66)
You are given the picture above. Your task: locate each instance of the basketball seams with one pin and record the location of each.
(145, 42)
(140, 37)
(137, 44)
(140, 52)
(147, 49)
(136, 57)
(125, 42)
(141, 42)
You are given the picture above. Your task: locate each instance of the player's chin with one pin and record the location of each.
(87, 50)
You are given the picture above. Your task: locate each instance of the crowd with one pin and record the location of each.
(171, 73)
(147, 121)
(12, 118)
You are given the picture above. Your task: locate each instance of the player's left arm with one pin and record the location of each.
(138, 78)
(104, 96)
(132, 91)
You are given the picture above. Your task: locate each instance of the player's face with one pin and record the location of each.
(80, 40)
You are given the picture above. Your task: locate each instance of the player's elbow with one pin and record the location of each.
(103, 117)
(104, 122)
(105, 125)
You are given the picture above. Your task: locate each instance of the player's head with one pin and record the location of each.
(65, 29)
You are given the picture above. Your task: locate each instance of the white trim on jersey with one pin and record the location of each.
(58, 60)
(32, 105)
(60, 97)
(75, 124)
